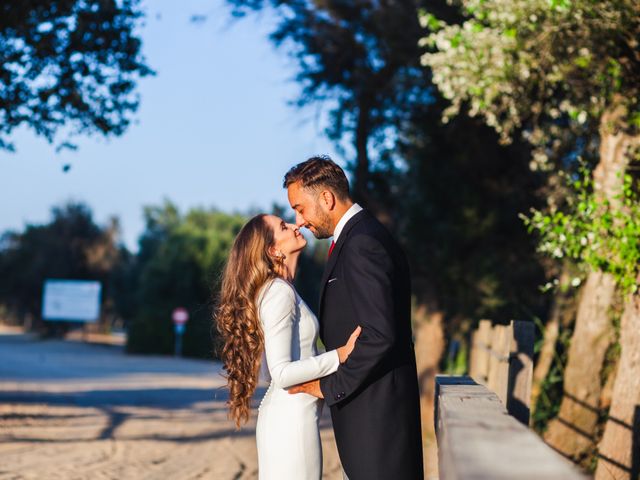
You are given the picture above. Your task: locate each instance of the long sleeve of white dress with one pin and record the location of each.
(279, 314)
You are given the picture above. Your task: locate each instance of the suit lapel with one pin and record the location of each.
(331, 262)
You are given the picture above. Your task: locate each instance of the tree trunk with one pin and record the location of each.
(361, 140)
(573, 432)
(607, 389)
(429, 346)
(619, 450)
(550, 338)
(547, 352)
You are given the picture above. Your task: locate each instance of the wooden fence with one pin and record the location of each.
(502, 360)
(482, 419)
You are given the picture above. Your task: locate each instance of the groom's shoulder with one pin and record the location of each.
(369, 231)
(370, 226)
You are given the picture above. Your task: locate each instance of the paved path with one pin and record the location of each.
(72, 411)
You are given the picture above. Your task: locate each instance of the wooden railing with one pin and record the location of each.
(482, 419)
(502, 360)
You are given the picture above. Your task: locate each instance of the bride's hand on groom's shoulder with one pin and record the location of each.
(345, 351)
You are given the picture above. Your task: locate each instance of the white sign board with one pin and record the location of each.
(71, 300)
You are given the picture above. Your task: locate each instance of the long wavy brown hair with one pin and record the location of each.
(248, 268)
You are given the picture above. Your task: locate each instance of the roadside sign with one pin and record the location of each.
(71, 300)
(180, 316)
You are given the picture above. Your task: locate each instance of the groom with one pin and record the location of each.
(373, 396)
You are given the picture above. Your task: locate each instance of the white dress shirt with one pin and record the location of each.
(355, 208)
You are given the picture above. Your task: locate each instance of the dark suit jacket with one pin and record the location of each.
(373, 396)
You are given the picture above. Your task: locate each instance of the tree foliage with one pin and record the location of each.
(178, 265)
(545, 67)
(592, 232)
(457, 206)
(361, 58)
(71, 246)
(565, 75)
(70, 66)
(450, 192)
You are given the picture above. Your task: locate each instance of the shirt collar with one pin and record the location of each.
(355, 208)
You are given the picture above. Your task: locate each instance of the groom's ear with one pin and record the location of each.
(328, 199)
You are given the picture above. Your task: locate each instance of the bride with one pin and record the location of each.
(267, 327)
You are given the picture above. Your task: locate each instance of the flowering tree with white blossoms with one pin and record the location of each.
(565, 74)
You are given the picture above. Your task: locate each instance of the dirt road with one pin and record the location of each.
(72, 411)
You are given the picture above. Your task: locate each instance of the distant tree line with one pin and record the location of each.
(178, 264)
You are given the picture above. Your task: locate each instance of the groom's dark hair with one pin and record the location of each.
(319, 171)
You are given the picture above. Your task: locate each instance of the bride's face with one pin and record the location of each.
(287, 236)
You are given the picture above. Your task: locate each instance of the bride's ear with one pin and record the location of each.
(273, 252)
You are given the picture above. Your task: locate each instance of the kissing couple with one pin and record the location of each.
(367, 376)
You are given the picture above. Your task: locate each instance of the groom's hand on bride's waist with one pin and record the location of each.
(312, 388)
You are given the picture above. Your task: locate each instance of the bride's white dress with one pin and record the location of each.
(287, 433)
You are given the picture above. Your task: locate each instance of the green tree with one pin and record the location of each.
(364, 57)
(561, 73)
(178, 265)
(460, 198)
(71, 246)
(363, 60)
(69, 66)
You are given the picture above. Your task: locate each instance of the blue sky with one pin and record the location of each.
(214, 129)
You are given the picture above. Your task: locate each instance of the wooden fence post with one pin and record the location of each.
(498, 380)
(480, 348)
(502, 359)
(520, 370)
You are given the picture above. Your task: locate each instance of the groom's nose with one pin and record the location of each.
(300, 221)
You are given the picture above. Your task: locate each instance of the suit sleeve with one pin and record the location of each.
(367, 277)
(278, 312)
